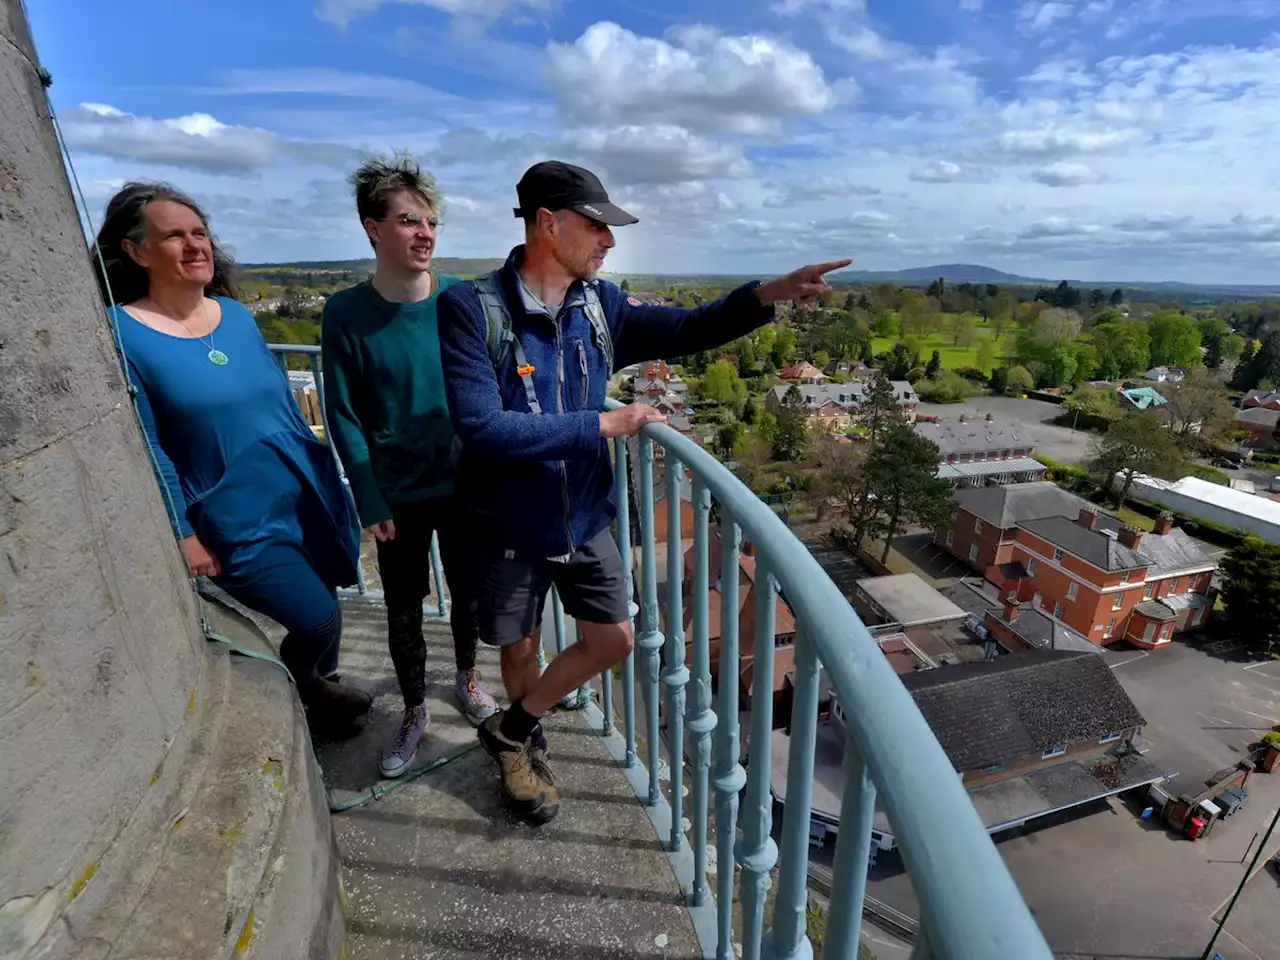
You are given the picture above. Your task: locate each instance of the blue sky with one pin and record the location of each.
(1090, 139)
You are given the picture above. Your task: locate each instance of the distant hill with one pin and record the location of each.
(456, 266)
(951, 272)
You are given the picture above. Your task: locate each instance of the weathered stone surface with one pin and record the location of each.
(439, 869)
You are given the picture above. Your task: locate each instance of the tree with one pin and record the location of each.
(1198, 407)
(937, 288)
(885, 323)
(730, 439)
(838, 469)
(935, 366)
(986, 356)
(1117, 297)
(962, 329)
(1095, 405)
(791, 434)
(903, 486)
(1123, 348)
(1057, 326)
(783, 351)
(1002, 311)
(878, 412)
(1019, 381)
(898, 362)
(1251, 594)
(1230, 348)
(721, 384)
(625, 286)
(749, 411)
(1097, 298)
(1138, 443)
(917, 314)
(1175, 340)
(1264, 365)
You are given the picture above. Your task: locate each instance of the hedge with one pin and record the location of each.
(1198, 527)
(1210, 474)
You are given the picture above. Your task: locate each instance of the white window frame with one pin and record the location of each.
(1152, 586)
(1177, 582)
(1149, 633)
(951, 538)
(1110, 738)
(1057, 554)
(1057, 750)
(1117, 603)
(1059, 610)
(977, 526)
(1031, 566)
(1110, 628)
(1073, 590)
(973, 553)
(1124, 577)
(1197, 615)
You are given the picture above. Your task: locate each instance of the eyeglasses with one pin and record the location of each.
(414, 222)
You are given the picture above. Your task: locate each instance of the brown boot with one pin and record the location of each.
(333, 708)
(532, 797)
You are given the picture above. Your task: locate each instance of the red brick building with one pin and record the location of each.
(985, 524)
(1108, 581)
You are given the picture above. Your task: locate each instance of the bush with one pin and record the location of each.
(1018, 381)
(972, 373)
(1198, 527)
(1072, 478)
(948, 388)
(1271, 458)
(915, 374)
(1210, 474)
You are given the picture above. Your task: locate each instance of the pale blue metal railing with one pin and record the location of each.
(971, 908)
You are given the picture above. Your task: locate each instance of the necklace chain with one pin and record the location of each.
(216, 356)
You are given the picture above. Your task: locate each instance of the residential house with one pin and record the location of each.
(1260, 422)
(1165, 375)
(1109, 581)
(802, 372)
(974, 452)
(1268, 399)
(673, 392)
(1012, 626)
(784, 629)
(1029, 735)
(661, 516)
(1140, 398)
(985, 523)
(835, 406)
(656, 370)
(853, 369)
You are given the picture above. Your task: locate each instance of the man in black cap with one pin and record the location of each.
(527, 352)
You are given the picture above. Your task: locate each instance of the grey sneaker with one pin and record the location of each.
(399, 753)
(477, 705)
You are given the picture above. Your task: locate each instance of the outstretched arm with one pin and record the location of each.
(643, 332)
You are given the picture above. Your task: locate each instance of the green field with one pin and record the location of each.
(952, 357)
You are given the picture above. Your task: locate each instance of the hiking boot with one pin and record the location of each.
(477, 705)
(530, 796)
(333, 708)
(539, 753)
(399, 753)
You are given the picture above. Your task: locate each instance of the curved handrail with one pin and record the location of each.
(973, 907)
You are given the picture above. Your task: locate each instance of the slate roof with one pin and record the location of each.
(1172, 552)
(977, 435)
(1098, 547)
(1260, 415)
(990, 468)
(1020, 705)
(1154, 610)
(845, 394)
(1011, 504)
(1262, 396)
(1044, 632)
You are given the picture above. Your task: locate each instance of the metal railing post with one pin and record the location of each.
(676, 674)
(650, 639)
(701, 719)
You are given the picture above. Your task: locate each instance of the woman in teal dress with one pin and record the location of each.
(255, 500)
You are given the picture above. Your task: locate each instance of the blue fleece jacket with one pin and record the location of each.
(543, 483)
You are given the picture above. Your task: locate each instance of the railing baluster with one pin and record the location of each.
(676, 675)
(789, 940)
(757, 852)
(557, 618)
(622, 495)
(700, 718)
(730, 777)
(437, 574)
(923, 949)
(606, 702)
(852, 858)
(650, 640)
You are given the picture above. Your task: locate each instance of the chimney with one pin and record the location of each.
(1011, 605)
(1130, 536)
(1088, 517)
(1164, 524)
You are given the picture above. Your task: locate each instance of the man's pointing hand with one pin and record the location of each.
(800, 285)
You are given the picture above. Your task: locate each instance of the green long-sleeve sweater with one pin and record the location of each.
(385, 399)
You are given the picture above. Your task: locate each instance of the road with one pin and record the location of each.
(1059, 443)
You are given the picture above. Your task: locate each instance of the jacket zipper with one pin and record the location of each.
(586, 375)
(564, 471)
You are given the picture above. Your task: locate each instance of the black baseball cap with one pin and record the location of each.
(562, 186)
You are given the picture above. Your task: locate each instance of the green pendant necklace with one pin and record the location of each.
(216, 356)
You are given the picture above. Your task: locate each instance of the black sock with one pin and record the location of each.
(517, 723)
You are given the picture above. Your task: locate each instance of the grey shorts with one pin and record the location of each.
(513, 589)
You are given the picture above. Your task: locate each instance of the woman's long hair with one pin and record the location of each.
(125, 219)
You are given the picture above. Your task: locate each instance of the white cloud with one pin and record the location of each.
(1054, 142)
(197, 141)
(863, 42)
(945, 171)
(1064, 174)
(1039, 16)
(899, 71)
(971, 6)
(817, 188)
(701, 80)
(790, 8)
(656, 154)
(324, 82)
(469, 12)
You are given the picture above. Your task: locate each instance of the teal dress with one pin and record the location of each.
(239, 466)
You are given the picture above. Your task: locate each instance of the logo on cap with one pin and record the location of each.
(590, 209)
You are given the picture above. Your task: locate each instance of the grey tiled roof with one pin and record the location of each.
(1098, 547)
(1008, 505)
(994, 712)
(1172, 552)
(1155, 610)
(1045, 632)
(845, 394)
(1259, 415)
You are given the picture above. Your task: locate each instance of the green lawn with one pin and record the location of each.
(952, 357)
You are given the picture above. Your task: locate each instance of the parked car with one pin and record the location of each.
(1223, 463)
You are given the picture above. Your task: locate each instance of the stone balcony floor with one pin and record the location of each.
(439, 868)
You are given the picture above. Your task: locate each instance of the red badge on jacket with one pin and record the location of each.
(633, 301)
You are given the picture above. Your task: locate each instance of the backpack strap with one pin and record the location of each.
(498, 333)
(599, 323)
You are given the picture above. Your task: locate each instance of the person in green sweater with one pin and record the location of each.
(386, 408)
